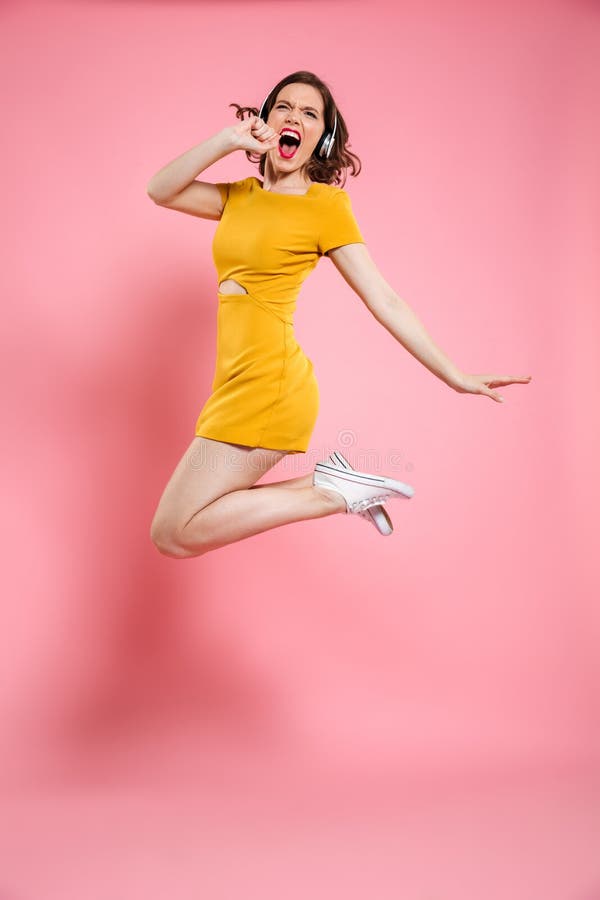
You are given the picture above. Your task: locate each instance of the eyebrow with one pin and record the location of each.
(305, 107)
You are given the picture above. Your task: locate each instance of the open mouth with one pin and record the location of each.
(289, 143)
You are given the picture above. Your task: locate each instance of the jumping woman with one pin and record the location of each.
(265, 397)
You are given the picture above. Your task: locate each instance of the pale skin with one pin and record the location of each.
(212, 498)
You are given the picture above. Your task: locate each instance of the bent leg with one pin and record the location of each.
(207, 470)
(211, 499)
(240, 514)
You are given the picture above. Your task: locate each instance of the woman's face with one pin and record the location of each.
(298, 107)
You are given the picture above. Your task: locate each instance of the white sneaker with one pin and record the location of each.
(360, 490)
(377, 515)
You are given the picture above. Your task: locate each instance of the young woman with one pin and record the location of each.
(265, 397)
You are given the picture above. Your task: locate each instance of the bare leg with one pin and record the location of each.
(301, 482)
(212, 499)
(240, 514)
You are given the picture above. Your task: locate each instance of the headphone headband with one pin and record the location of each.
(326, 141)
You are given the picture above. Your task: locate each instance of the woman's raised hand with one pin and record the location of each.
(255, 135)
(484, 384)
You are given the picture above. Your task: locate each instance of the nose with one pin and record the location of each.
(292, 115)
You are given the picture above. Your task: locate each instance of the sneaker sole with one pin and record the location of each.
(381, 519)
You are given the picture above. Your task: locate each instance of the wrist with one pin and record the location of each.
(455, 379)
(229, 139)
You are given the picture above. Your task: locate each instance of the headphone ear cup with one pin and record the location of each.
(331, 137)
(327, 141)
(323, 148)
(325, 145)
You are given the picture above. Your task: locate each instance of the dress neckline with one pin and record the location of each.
(280, 193)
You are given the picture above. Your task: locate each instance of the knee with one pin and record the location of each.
(166, 541)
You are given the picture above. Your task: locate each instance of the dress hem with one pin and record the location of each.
(233, 440)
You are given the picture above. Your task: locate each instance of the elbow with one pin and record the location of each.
(383, 304)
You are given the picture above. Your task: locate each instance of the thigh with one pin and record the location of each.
(207, 470)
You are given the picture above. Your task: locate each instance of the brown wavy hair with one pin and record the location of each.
(331, 170)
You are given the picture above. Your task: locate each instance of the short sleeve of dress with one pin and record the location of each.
(338, 225)
(224, 191)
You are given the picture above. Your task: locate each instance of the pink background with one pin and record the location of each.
(315, 711)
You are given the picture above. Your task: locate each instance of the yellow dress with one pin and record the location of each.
(265, 392)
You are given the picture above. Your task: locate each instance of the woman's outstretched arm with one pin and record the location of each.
(355, 264)
(251, 134)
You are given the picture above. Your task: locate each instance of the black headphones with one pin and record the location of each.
(325, 145)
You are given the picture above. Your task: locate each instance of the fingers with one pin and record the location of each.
(491, 394)
(485, 384)
(266, 137)
(498, 380)
(262, 131)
